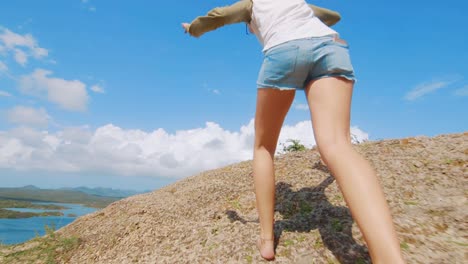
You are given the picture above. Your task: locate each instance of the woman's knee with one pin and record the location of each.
(264, 146)
(265, 140)
(329, 148)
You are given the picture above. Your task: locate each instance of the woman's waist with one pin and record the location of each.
(268, 45)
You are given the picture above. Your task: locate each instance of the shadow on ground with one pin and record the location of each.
(308, 209)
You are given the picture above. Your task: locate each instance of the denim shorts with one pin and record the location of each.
(293, 64)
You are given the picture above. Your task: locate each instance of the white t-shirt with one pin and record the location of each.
(277, 21)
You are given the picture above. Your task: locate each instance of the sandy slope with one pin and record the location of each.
(211, 217)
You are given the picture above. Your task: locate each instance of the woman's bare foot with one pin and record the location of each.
(266, 247)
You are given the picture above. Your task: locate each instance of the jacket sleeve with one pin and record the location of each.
(327, 16)
(220, 16)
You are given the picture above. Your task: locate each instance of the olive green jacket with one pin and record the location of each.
(241, 11)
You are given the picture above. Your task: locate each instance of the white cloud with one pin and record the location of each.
(70, 95)
(303, 132)
(22, 46)
(302, 107)
(462, 91)
(21, 57)
(428, 87)
(84, 1)
(216, 91)
(92, 9)
(4, 94)
(357, 135)
(3, 67)
(28, 116)
(12, 40)
(97, 88)
(111, 149)
(40, 52)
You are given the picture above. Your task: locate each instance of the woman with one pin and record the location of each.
(302, 53)
(241, 11)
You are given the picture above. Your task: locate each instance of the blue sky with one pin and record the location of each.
(113, 94)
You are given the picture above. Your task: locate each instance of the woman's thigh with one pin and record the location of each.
(330, 105)
(272, 107)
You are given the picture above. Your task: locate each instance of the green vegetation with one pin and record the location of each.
(25, 198)
(236, 204)
(14, 215)
(404, 246)
(411, 202)
(305, 208)
(10, 214)
(57, 196)
(294, 146)
(292, 208)
(337, 225)
(360, 261)
(318, 243)
(24, 204)
(40, 249)
(288, 242)
(301, 238)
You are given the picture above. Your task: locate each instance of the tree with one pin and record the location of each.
(294, 146)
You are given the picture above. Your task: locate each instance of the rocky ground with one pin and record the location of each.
(211, 217)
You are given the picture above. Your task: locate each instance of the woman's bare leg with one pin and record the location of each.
(272, 107)
(330, 102)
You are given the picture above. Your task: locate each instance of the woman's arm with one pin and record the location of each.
(241, 11)
(220, 16)
(328, 17)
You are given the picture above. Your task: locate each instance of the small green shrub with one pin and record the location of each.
(294, 146)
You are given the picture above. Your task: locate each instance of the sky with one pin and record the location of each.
(114, 94)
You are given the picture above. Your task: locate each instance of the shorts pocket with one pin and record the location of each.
(337, 61)
(280, 62)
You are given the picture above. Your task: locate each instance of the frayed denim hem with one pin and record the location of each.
(264, 86)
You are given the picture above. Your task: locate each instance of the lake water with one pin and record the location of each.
(13, 231)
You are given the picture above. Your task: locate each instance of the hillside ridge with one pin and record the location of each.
(211, 217)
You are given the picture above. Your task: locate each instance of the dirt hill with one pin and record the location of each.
(211, 217)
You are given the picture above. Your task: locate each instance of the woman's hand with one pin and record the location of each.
(186, 27)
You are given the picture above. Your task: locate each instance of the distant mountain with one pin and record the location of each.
(30, 187)
(106, 192)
